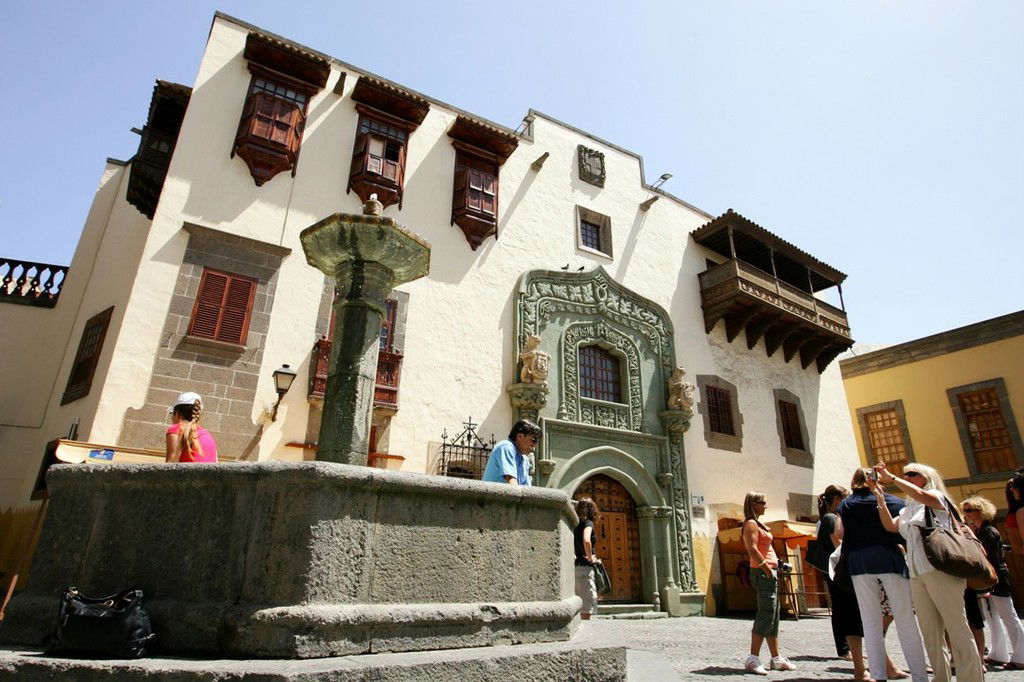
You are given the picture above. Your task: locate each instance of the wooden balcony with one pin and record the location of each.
(389, 371)
(752, 301)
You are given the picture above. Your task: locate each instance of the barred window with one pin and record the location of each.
(885, 439)
(590, 235)
(719, 404)
(599, 374)
(990, 441)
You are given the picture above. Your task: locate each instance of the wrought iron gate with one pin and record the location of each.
(464, 456)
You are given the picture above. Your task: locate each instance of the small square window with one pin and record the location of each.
(593, 232)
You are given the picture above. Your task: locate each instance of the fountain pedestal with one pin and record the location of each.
(367, 255)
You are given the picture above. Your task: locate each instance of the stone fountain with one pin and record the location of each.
(325, 558)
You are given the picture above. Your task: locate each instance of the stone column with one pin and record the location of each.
(675, 423)
(665, 521)
(647, 514)
(348, 398)
(367, 255)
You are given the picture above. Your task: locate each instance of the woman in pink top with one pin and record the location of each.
(187, 441)
(757, 540)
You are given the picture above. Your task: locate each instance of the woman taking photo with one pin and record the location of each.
(875, 564)
(1007, 649)
(938, 597)
(764, 566)
(186, 440)
(584, 541)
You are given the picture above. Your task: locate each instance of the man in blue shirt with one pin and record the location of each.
(508, 462)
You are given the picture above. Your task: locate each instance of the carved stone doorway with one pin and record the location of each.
(618, 536)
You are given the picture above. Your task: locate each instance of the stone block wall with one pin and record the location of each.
(225, 375)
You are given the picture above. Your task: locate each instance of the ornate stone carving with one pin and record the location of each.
(545, 466)
(680, 393)
(528, 399)
(598, 412)
(536, 363)
(593, 295)
(591, 164)
(675, 426)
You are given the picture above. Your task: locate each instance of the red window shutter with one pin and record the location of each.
(209, 300)
(223, 307)
(237, 306)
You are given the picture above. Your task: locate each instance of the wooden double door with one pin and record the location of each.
(618, 536)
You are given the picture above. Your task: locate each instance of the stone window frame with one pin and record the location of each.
(720, 441)
(794, 456)
(584, 154)
(1016, 444)
(901, 416)
(604, 223)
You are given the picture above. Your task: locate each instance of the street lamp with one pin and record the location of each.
(283, 378)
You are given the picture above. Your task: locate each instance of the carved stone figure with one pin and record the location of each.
(680, 393)
(536, 363)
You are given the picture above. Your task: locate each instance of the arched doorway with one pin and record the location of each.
(618, 533)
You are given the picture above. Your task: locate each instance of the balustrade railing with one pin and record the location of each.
(28, 283)
(804, 304)
(385, 390)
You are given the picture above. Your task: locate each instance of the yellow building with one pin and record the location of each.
(951, 401)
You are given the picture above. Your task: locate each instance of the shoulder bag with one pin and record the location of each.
(816, 557)
(116, 626)
(956, 551)
(601, 579)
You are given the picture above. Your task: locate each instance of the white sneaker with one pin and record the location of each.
(781, 663)
(754, 667)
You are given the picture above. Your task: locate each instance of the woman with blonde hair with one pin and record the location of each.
(876, 566)
(186, 440)
(937, 596)
(584, 541)
(764, 565)
(1007, 649)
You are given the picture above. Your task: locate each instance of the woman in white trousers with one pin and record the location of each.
(1007, 651)
(938, 597)
(874, 561)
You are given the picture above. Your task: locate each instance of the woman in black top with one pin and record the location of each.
(847, 630)
(979, 513)
(585, 540)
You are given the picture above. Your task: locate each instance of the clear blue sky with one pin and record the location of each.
(885, 138)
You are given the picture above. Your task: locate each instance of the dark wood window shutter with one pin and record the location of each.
(791, 425)
(88, 354)
(223, 307)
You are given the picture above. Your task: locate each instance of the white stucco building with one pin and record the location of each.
(189, 275)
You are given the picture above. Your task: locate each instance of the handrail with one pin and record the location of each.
(30, 283)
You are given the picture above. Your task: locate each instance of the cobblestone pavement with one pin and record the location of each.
(715, 648)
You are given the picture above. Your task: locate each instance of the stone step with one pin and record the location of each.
(628, 612)
(623, 608)
(640, 615)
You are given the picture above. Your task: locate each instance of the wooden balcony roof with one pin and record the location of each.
(755, 245)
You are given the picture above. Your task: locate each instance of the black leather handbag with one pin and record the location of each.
(601, 579)
(116, 626)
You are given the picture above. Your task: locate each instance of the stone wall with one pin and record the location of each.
(307, 559)
(225, 375)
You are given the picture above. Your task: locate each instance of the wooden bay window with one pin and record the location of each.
(480, 151)
(284, 79)
(388, 116)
